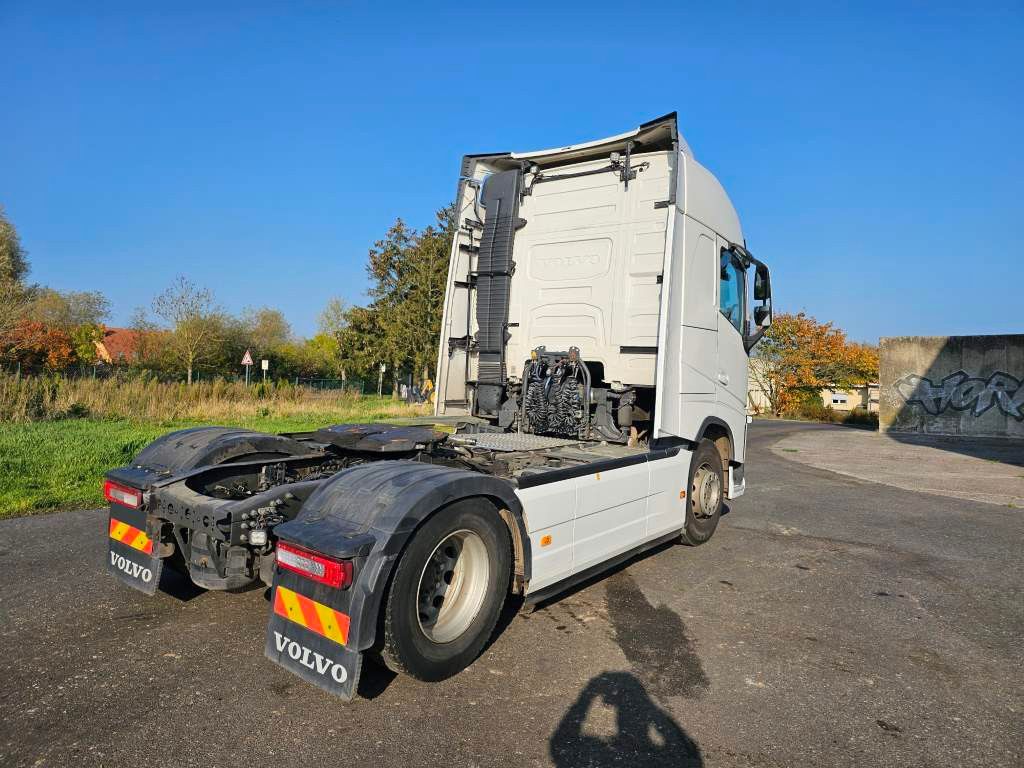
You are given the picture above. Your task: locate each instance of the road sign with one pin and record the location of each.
(247, 362)
(265, 364)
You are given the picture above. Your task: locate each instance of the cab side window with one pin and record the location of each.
(731, 290)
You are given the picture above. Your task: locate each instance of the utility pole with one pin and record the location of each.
(380, 380)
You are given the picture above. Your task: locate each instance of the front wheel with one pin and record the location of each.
(706, 491)
(447, 591)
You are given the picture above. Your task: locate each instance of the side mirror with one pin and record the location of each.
(762, 316)
(762, 284)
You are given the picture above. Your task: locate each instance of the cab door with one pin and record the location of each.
(731, 376)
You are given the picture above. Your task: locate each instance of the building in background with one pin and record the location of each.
(866, 396)
(119, 346)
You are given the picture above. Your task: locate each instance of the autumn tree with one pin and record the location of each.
(190, 313)
(798, 356)
(36, 347)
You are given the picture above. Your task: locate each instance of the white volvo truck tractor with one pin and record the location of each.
(590, 404)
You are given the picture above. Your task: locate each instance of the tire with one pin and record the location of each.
(704, 497)
(430, 638)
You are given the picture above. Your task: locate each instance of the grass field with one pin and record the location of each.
(59, 464)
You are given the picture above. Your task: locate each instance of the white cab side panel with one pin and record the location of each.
(548, 510)
(690, 374)
(691, 340)
(705, 200)
(666, 511)
(611, 515)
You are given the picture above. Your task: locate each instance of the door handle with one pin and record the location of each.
(723, 378)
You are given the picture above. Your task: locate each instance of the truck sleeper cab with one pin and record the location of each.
(591, 384)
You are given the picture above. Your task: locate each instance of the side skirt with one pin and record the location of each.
(533, 598)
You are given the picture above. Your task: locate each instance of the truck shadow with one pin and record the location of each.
(643, 733)
(666, 646)
(179, 586)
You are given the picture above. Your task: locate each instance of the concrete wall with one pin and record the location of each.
(953, 385)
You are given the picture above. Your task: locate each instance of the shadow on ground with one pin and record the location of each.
(642, 733)
(1003, 450)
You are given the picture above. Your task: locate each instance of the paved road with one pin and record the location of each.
(830, 622)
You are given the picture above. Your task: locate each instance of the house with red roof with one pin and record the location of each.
(119, 346)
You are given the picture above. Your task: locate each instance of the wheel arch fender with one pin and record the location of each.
(369, 513)
(713, 428)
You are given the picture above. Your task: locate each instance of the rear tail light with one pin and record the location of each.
(333, 573)
(116, 493)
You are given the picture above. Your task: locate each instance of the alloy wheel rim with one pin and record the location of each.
(452, 586)
(707, 490)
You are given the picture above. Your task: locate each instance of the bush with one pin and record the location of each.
(812, 409)
(860, 416)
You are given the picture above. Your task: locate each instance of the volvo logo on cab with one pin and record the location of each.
(134, 570)
(300, 653)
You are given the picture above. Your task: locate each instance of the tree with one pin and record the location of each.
(798, 356)
(419, 321)
(14, 302)
(13, 258)
(190, 312)
(69, 310)
(268, 329)
(151, 342)
(407, 271)
(360, 351)
(333, 318)
(36, 346)
(84, 338)
(14, 296)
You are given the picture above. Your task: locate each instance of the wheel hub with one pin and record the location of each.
(452, 586)
(706, 491)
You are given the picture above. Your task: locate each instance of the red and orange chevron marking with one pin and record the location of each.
(130, 535)
(314, 616)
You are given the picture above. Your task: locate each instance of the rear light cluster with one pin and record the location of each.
(116, 493)
(333, 573)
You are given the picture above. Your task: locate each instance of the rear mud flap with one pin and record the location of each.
(132, 550)
(308, 637)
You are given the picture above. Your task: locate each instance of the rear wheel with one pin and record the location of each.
(705, 495)
(447, 591)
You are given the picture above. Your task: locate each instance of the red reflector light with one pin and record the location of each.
(116, 493)
(333, 573)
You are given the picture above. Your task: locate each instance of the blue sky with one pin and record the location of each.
(874, 155)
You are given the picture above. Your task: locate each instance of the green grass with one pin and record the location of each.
(52, 465)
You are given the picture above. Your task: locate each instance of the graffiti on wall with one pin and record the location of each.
(962, 392)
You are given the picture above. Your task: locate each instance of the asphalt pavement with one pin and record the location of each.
(831, 621)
